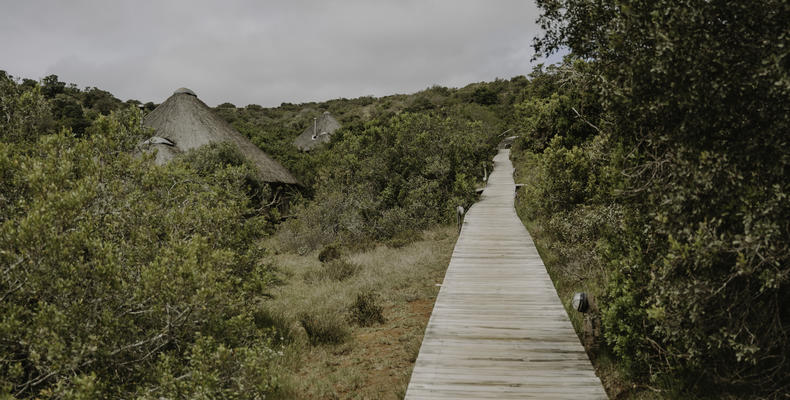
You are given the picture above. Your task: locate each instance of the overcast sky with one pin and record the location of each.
(267, 52)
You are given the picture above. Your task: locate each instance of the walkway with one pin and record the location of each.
(498, 328)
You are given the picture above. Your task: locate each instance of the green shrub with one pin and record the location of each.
(565, 178)
(329, 253)
(324, 326)
(335, 270)
(216, 371)
(319, 223)
(394, 175)
(559, 101)
(208, 159)
(568, 177)
(365, 311)
(403, 238)
(113, 267)
(694, 98)
(27, 113)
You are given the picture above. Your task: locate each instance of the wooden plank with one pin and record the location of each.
(498, 330)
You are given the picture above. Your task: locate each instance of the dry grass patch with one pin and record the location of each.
(358, 337)
(335, 270)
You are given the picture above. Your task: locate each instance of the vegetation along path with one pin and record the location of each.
(498, 328)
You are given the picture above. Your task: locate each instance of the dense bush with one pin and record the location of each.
(325, 326)
(66, 106)
(694, 105)
(393, 176)
(335, 270)
(560, 100)
(122, 279)
(329, 253)
(208, 159)
(26, 112)
(366, 311)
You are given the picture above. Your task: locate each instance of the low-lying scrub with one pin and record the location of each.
(407, 173)
(335, 270)
(365, 311)
(324, 326)
(357, 337)
(329, 253)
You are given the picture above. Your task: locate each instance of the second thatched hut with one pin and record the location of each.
(320, 131)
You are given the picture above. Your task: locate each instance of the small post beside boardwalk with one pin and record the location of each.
(498, 328)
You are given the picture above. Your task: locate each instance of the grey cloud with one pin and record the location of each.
(267, 52)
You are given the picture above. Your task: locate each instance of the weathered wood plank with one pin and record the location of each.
(498, 329)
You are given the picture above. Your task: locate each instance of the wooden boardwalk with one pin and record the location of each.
(498, 328)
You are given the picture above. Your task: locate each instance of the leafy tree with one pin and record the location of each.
(695, 94)
(559, 101)
(51, 86)
(420, 103)
(484, 95)
(122, 279)
(68, 113)
(25, 111)
(28, 84)
(100, 100)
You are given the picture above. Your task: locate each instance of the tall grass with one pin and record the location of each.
(354, 325)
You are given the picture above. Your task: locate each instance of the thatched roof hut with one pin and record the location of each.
(183, 122)
(320, 131)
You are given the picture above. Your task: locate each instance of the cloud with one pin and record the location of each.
(268, 52)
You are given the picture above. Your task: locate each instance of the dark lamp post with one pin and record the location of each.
(580, 302)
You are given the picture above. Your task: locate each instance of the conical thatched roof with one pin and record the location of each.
(320, 131)
(187, 123)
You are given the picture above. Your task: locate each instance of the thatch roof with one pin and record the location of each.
(188, 123)
(320, 131)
